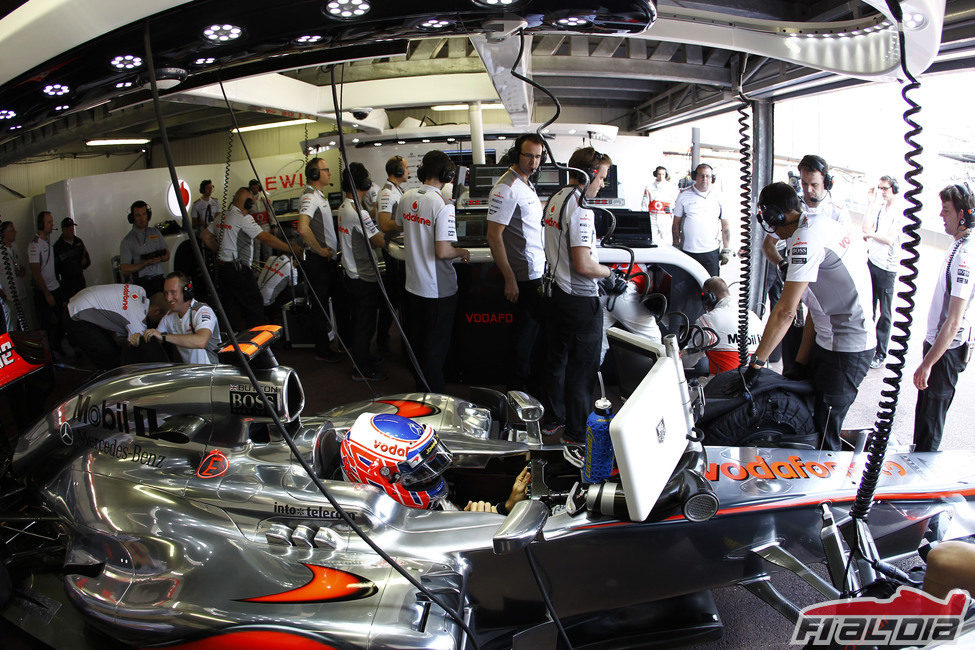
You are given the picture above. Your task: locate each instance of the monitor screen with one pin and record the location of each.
(281, 206)
(549, 179)
(465, 157)
(610, 185)
(335, 200)
(295, 203)
(483, 178)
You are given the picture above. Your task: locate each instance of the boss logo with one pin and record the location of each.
(798, 250)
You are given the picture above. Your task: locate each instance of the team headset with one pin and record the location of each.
(967, 214)
(693, 174)
(710, 299)
(514, 153)
(131, 216)
(445, 176)
(397, 169)
(312, 172)
(817, 164)
(188, 291)
(548, 278)
(894, 187)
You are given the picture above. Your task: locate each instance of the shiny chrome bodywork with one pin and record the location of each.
(195, 529)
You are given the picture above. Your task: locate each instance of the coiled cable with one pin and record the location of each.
(877, 444)
(744, 144)
(8, 269)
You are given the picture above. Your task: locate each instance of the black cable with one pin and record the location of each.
(246, 368)
(12, 285)
(744, 143)
(548, 601)
(876, 446)
(372, 256)
(294, 255)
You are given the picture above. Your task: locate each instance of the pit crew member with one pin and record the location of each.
(48, 302)
(574, 315)
(429, 228)
(629, 308)
(882, 230)
(699, 227)
(658, 200)
(514, 233)
(143, 250)
(108, 318)
(828, 272)
(406, 460)
(721, 318)
(397, 173)
(206, 208)
(948, 343)
(190, 325)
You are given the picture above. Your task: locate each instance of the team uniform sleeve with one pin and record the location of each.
(805, 255)
(960, 272)
(501, 205)
(166, 324)
(307, 204)
(137, 324)
(371, 228)
(385, 200)
(398, 212)
(446, 225)
(582, 231)
(679, 205)
(250, 227)
(34, 253)
(204, 318)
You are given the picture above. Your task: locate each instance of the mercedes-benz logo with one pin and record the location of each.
(67, 435)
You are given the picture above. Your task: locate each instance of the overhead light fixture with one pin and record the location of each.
(16, 127)
(495, 3)
(55, 90)
(222, 33)
(346, 9)
(401, 142)
(62, 107)
(331, 143)
(355, 140)
(426, 140)
(204, 60)
(116, 142)
(464, 107)
(377, 144)
(914, 21)
(123, 84)
(433, 24)
(572, 21)
(451, 139)
(6, 114)
(126, 62)
(308, 39)
(167, 78)
(272, 125)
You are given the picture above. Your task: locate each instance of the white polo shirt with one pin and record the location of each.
(701, 225)
(514, 204)
(355, 246)
(206, 210)
(881, 218)
(118, 308)
(389, 196)
(958, 269)
(274, 277)
(41, 251)
(567, 225)
(823, 253)
(198, 316)
(426, 218)
(723, 321)
(315, 205)
(239, 232)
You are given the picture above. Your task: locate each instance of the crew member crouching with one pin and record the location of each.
(721, 318)
(108, 320)
(190, 325)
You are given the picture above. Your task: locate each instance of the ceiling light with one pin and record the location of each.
(401, 142)
(453, 139)
(572, 131)
(118, 141)
(449, 107)
(502, 137)
(7, 114)
(62, 107)
(494, 3)
(347, 9)
(332, 143)
(56, 89)
(16, 127)
(426, 140)
(205, 60)
(127, 61)
(271, 125)
(124, 84)
(355, 140)
(573, 21)
(308, 39)
(433, 24)
(377, 144)
(914, 21)
(222, 33)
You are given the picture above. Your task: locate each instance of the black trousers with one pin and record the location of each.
(836, 378)
(788, 348)
(429, 327)
(322, 276)
(51, 319)
(98, 344)
(574, 335)
(710, 260)
(526, 344)
(364, 299)
(395, 282)
(883, 295)
(240, 296)
(932, 403)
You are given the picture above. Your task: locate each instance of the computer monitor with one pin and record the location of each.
(335, 200)
(482, 179)
(465, 157)
(610, 185)
(549, 179)
(281, 206)
(295, 203)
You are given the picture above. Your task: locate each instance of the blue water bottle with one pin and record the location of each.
(598, 464)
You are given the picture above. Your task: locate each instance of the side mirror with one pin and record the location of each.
(529, 410)
(521, 527)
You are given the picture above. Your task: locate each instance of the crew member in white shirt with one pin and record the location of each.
(574, 324)
(514, 233)
(190, 326)
(882, 230)
(948, 343)
(721, 317)
(700, 228)
(357, 234)
(48, 303)
(108, 320)
(237, 231)
(12, 274)
(397, 173)
(828, 272)
(429, 230)
(658, 199)
(206, 208)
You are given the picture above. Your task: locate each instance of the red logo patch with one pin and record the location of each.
(213, 465)
(415, 205)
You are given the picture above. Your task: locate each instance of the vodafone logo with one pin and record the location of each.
(415, 205)
(409, 216)
(395, 451)
(173, 201)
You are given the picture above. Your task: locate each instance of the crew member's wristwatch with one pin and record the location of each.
(755, 361)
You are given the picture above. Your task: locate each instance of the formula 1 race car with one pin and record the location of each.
(175, 515)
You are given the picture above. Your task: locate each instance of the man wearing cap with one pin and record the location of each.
(70, 260)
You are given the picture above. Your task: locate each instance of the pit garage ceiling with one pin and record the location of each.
(650, 65)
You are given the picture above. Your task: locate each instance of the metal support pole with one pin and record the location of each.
(477, 132)
(763, 159)
(695, 148)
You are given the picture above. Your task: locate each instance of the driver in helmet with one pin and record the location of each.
(407, 460)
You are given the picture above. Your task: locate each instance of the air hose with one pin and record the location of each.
(877, 444)
(249, 371)
(744, 143)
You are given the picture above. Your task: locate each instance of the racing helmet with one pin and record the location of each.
(403, 458)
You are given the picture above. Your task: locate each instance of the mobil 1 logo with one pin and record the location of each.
(245, 401)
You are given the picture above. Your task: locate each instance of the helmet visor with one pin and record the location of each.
(427, 466)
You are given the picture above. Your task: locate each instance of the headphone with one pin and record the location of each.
(666, 173)
(203, 184)
(771, 214)
(395, 167)
(815, 163)
(445, 176)
(312, 172)
(894, 187)
(187, 285)
(967, 214)
(139, 204)
(360, 176)
(714, 177)
(710, 299)
(514, 153)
